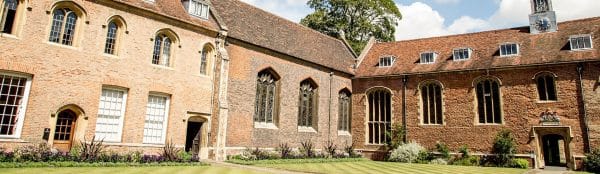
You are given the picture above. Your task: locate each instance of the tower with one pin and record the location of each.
(542, 18)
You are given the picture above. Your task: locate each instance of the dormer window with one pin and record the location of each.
(509, 49)
(197, 8)
(581, 42)
(386, 61)
(461, 54)
(428, 58)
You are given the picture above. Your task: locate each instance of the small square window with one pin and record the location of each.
(197, 8)
(387, 61)
(509, 49)
(428, 58)
(461, 54)
(581, 42)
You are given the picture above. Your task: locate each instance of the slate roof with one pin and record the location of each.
(252, 25)
(547, 48)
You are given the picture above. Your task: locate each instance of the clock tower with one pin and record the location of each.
(542, 18)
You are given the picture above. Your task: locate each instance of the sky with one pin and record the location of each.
(429, 18)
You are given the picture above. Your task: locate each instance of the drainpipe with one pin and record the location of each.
(330, 95)
(404, 83)
(583, 106)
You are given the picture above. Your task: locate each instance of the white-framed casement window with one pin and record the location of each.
(111, 113)
(509, 49)
(14, 94)
(427, 58)
(197, 8)
(581, 42)
(157, 114)
(461, 54)
(386, 61)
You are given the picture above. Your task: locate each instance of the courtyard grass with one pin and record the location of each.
(129, 170)
(374, 167)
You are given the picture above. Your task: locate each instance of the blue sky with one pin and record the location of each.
(428, 18)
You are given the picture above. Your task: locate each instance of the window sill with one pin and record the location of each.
(431, 125)
(111, 56)
(461, 60)
(510, 56)
(546, 101)
(163, 67)
(9, 36)
(489, 124)
(306, 129)
(62, 46)
(344, 133)
(582, 49)
(265, 126)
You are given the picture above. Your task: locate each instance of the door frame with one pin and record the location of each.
(79, 127)
(205, 119)
(536, 140)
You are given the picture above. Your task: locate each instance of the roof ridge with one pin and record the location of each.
(485, 31)
(287, 20)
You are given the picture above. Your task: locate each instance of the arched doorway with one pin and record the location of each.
(65, 130)
(553, 147)
(196, 139)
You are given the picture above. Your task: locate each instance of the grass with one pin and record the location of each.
(130, 170)
(295, 161)
(388, 168)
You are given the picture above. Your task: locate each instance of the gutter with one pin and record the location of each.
(583, 106)
(404, 83)
(330, 98)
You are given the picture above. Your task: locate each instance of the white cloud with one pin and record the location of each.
(420, 20)
(446, 1)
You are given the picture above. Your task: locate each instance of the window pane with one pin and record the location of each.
(496, 103)
(57, 22)
(156, 115)
(69, 32)
(203, 61)
(541, 86)
(12, 91)
(111, 37)
(157, 48)
(425, 104)
(166, 52)
(438, 102)
(487, 86)
(550, 87)
(110, 113)
(480, 103)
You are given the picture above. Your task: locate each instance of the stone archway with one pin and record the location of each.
(68, 127)
(197, 135)
(552, 146)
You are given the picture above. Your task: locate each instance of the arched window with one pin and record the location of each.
(206, 59)
(431, 103)
(114, 32)
(162, 50)
(380, 115)
(9, 15)
(307, 111)
(546, 87)
(344, 110)
(64, 21)
(266, 98)
(489, 108)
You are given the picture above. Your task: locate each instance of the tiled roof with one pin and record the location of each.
(547, 48)
(173, 9)
(258, 27)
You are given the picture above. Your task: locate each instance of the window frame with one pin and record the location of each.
(371, 110)
(165, 122)
(275, 107)
(18, 19)
(208, 52)
(25, 100)
(382, 60)
(455, 56)
(434, 56)
(198, 2)
(422, 103)
(161, 50)
(500, 104)
(121, 26)
(78, 29)
(347, 116)
(517, 46)
(313, 103)
(122, 115)
(581, 36)
(546, 74)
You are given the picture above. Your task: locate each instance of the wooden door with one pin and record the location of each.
(63, 133)
(196, 143)
(551, 150)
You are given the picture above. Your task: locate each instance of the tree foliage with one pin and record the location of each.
(357, 19)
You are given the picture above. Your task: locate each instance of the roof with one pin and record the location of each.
(252, 25)
(174, 9)
(535, 49)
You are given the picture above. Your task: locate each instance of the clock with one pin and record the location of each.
(542, 24)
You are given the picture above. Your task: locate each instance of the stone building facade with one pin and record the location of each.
(463, 89)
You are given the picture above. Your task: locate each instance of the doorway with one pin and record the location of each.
(193, 139)
(64, 130)
(554, 150)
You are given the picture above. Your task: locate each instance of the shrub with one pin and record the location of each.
(425, 157)
(395, 135)
(407, 153)
(443, 150)
(467, 161)
(92, 150)
(34, 153)
(591, 162)
(170, 152)
(307, 149)
(185, 156)
(439, 161)
(464, 151)
(504, 147)
(285, 151)
(349, 149)
(330, 149)
(519, 163)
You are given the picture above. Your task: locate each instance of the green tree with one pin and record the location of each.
(357, 20)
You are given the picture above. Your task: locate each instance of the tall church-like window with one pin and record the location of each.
(489, 108)
(64, 22)
(206, 57)
(162, 50)
(344, 111)
(431, 98)
(546, 87)
(111, 38)
(307, 111)
(380, 116)
(266, 98)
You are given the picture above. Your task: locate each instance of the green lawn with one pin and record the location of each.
(129, 170)
(388, 167)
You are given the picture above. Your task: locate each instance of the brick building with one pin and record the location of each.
(540, 82)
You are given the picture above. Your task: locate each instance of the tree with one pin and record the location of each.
(356, 20)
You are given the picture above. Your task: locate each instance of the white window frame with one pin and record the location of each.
(469, 52)
(165, 122)
(381, 60)
(581, 36)
(121, 118)
(22, 106)
(422, 60)
(204, 14)
(510, 55)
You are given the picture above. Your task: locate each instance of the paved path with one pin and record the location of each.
(253, 168)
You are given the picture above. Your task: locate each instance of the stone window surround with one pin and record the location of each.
(367, 109)
(546, 73)
(420, 110)
(19, 19)
(276, 78)
(121, 31)
(25, 99)
(79, 27)
(174, 38)
(476, 105)
(123, 111)
(166, 118)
